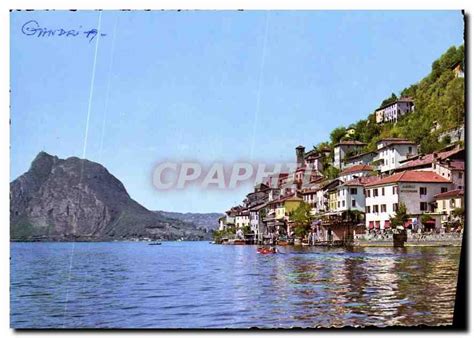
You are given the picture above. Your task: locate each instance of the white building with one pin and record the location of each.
(346, 148)
(242, 219)
(391, 151)
(321, 203)
(353, 172)
(391, 112)
(416, 189)
(363, 158)
(351, 194)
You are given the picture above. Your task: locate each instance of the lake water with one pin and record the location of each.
(199, 285)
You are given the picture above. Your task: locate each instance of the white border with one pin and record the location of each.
(5, 5)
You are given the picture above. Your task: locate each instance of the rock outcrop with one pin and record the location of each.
(76, 199)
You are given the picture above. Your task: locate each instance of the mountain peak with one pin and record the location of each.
(73, 198)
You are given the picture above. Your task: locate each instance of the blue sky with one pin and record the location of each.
(189, 85)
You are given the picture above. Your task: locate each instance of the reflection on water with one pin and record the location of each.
(198, 285)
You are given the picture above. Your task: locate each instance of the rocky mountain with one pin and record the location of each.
(207, 221)
(76, 199)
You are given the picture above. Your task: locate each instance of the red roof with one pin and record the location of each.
(455, 165)
(392, 139)
(351, 143)
(391, 142)
(411, 176)
(361, 181)
(449, 194)
(286, 198)
(356, 168)
(424, 160)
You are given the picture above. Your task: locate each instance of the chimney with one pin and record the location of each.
(299, 156)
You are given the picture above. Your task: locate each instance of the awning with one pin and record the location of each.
(387, 224)
(430, 222)
(407, 223)
(377, 224)
(371, 224)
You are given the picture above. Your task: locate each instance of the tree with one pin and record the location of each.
(302, 219)
(337, 134)
(389, 100)
(459, 213)
(400, 217)
(331, 172)
(247, 230)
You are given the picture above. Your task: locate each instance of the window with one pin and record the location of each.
(452, 203)
(444, 204)
(422, 190)
(459, 175)
(395, 190)
(368, 192)
(383, 191)
(353, 203)
(444, 189)
(383, 208)
(395, 207)
(353, 191)
(338, 204)
(423, 206)
(409, 150)
(376, 208)
(343, 204)
(376, 192)
(367, 209)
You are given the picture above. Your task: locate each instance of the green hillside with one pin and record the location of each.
(439, 97)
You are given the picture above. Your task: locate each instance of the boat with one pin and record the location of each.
(155, 243)
(239, 242)
(265, 251)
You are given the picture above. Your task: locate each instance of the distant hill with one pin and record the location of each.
(76, 199)
(208, 221)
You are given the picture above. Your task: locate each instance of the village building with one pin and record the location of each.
(379, 115)
(358, 170)
(230, 215)
(222, 223)
(315, 160)
(363, 158)
(448, 164)
(416, 189)
(351, 194)
(258, 196)
(345, 149)
(277, 221)
(458, 69)
(392, 151)
(299, 156)
(256, 221)
(452, 136)
(425, 161)
(275, 180)
(242, 219)
(394, 110)
(447, 202)
(332, 199)
(322, 195)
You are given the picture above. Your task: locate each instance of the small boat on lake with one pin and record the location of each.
(265, 251)
(155, 243)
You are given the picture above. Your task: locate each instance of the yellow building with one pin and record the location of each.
(448, 201)
(333, 200)
(287, 205)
